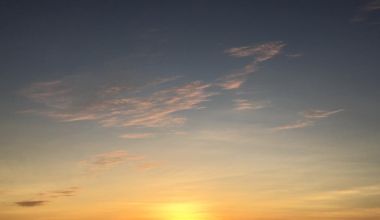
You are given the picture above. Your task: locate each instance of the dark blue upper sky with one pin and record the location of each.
(137, 40)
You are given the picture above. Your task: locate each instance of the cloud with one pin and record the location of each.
(315, 114)
(48, 196)
(143, 105)
(136, 135)
(115, 109)
(69, 191)
(232, 84)
(235, 80)
(309, 118)
(30, 203)
(109, 160)
(243, 104)
(106, 160)
(261, 53)
(365, 11)
(298, 124)
(362, 197)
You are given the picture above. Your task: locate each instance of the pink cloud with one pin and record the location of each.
(159, 109)
(261, 52)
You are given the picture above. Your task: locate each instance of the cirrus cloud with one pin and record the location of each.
(309, 118)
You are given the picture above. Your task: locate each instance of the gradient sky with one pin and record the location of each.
(190, 110)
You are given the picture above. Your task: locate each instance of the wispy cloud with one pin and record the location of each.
(48, 196)
(365, 11)
(315, 114)
(309, 118)
(136, 135)
(69, 191)
(261, 53)
(109, 160)
(345, 194)
(232, 84)
(294, 125)
(158, 109)
(106, 160)
(30, 203)
(236, 79)
(146, 105)
(243, 104)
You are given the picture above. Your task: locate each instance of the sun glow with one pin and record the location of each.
(183, 211)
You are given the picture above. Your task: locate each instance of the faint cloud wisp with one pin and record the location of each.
(108, 160)
(366, 10)
(261, 53)
(309, 118)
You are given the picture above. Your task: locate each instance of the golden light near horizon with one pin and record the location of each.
(183, 211)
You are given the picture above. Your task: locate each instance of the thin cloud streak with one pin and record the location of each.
(298, 124)
(261, 52)
(243, 104)
(310, 117)
(319, 113)
(108, 160)
(31, 203)
(49, 196)
(66, 192)
(136, 135)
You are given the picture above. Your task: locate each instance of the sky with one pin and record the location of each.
(190, 110)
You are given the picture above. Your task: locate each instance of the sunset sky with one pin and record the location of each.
(190, 110)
